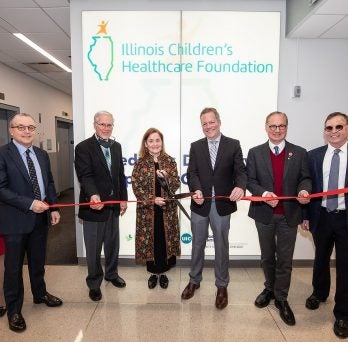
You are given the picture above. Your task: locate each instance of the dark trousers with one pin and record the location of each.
(332, 231)
(34, 245)
(277, 243)
(97, 234)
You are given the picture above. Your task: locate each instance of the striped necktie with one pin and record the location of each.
(276, 150)
(213, 151)
(33, 176)
(107, 156)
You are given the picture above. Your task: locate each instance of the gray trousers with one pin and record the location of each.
(220, 226)
(95, 235)
(277, 243)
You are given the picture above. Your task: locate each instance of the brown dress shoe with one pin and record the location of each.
(221, 298)
(189, 291)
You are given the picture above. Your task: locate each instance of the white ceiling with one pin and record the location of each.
(47, 23)
(329, 19)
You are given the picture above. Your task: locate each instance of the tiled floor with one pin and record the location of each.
(136, 313)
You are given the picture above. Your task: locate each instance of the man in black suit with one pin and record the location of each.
(216, 168)
(99, 168)
(277, 168)
(327, 219)
(26, 186)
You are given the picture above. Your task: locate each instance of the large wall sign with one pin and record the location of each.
(161, 68)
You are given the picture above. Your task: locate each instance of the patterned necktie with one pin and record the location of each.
(33, 176)
(213, 152)
(276, 150)
(332, 201)
(107, 156)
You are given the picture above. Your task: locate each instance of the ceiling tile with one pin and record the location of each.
(315, 25)
(333, 7)
(61, 16)
(29, 20)
(50, 41)
(340, 30)
(52, 3)
(17, 3)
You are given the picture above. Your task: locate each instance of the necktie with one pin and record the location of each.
(33, 176)
(107, 156)
(276, 150)
(332, 201)
(213, 152)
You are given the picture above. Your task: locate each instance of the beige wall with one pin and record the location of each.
(34, 97)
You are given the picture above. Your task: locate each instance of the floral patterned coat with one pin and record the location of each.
(143, 183)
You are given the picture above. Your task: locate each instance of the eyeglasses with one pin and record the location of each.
(22, 128)
(273, 128)
(103, 125)
(331, 128)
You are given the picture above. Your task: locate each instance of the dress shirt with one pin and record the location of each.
(22, 151)
(281, 146)
(341, 176)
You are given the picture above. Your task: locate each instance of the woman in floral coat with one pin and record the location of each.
(157, 237)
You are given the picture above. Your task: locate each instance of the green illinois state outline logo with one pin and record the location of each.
(101, 52)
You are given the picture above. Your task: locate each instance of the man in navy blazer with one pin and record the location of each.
(24, 217)
(277, 168)
(216, 168)
(99, 168)
(329, 225)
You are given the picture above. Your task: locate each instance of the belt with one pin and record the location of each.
(336, 211)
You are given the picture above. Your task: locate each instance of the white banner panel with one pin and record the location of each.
(161, 68)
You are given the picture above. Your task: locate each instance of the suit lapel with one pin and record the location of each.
(319, 166)
(17, 159)
(267, 158)
(220, 152)
(98, 151)
(205, 152)
(288, 155)
(40, 158)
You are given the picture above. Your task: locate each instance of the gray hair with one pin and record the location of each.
(19, 115)
(102, 112)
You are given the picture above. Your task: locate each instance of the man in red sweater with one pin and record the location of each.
(277, 168)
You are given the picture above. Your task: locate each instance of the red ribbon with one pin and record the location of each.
(245, 198)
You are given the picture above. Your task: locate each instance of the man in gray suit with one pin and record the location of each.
(277, 168)
(216, 167)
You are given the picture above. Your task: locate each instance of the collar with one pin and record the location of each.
(22, 149)
(216, 139)
(331, 149)
(281, 146)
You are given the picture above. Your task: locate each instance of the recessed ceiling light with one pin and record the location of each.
(36, 47)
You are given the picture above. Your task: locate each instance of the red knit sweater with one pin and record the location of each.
(278, 171)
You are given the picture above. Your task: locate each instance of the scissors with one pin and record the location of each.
(165, 186)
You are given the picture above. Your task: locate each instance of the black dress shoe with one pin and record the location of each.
(2, 310)
(49, 300)
(263, 299)
(341, 328)
(221, 300)
(163, 281)
(95, 295)
(16, 322)
(152, 282)
(313, 302)
(189, 290)
(117, 282)
(285, 312)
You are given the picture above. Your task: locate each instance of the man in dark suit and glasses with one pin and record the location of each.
(26, 186)
(277, 168)
(327, 219)
(99, 168)
(216, 168)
